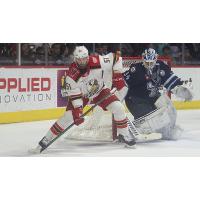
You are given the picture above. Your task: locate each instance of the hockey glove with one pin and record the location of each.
(184, 92)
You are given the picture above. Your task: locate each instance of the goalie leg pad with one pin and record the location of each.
(171, 133)
(160, 121)
(153, 121)
(165, 102)
(143, 137)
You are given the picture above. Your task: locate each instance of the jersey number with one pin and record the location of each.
(106, 60)
(67, 86)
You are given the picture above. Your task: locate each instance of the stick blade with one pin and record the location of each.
(148, 137)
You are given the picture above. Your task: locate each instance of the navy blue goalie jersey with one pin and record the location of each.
(145, 84)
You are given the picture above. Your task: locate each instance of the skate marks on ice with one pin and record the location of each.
(74, 148)
(79, 148)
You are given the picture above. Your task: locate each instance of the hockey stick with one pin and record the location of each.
(84, 114)
(143, 137)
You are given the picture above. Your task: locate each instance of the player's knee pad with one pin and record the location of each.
(120, 118)
(117, 110)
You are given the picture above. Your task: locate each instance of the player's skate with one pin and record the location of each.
(42, 144)
(128, 139)
(35, 150)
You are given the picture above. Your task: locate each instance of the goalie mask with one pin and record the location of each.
(149, 58)
(81, 56)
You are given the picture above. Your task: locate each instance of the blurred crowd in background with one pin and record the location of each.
(61, 53)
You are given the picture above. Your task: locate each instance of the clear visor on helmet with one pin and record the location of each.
(81, 61)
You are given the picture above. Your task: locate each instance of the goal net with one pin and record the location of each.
(98, 125)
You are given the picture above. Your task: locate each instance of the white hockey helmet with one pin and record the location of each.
(149, 58)
(81, 56)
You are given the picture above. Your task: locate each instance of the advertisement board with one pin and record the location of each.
(27, 89)
(34, 93)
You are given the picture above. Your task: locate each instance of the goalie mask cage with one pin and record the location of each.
(99, 125)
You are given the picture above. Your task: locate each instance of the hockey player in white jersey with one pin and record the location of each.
(88, 80)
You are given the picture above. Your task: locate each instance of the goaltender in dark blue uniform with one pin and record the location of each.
(145, 81)
(145, 85)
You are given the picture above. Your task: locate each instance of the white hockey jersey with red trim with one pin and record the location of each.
(99, 74)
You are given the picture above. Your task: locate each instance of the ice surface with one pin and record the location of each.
(16, 139)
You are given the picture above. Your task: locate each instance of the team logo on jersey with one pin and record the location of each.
(92, 87)
(133, 69)
(149, 85)
(153, 91)
(162, 72)
(94, 60)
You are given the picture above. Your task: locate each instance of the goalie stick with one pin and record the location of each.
(143, 137)
(73, 123)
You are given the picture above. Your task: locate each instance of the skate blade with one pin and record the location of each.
(130, 147)
(35, 150)
(116, 141)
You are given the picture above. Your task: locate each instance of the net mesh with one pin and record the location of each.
(96, 126)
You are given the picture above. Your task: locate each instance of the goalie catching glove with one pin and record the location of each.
(183, 92)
